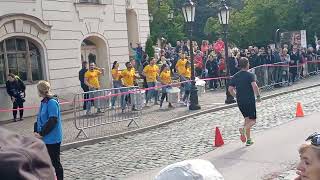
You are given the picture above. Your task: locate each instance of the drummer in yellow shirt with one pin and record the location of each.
(151, 72)
(181, 67)
(128, 78)
(165, 79)
(181, 64)
(91, 79)
(187, 85)
(117, 84)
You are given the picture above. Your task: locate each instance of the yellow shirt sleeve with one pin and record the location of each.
(86, 75)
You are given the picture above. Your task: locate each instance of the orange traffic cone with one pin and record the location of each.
(299, 112)
(218, 138)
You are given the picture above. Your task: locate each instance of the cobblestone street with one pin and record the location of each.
(150, 115)
(120, 157)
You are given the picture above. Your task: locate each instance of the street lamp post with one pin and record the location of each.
(188, 11)
(224, 14)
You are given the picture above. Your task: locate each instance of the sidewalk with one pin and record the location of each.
(275, 151)
(150, 115)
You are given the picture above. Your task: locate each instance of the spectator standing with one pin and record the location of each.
(205, 47)
(139, 55)
(198, 63)
(294, 61)
(285, 59)
(213, 71)
(84, 87)
(16, 90)
(278, 68)
(49, 125)
(233, 63)
(185, 48)
(222, 66)
(311, 57)
(178, 47)
(270, 60)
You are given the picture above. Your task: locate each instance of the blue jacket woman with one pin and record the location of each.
(49, 126)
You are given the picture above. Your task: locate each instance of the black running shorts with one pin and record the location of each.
(248, 110)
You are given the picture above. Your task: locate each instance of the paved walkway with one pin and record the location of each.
(192, 137)
(150, 116)
(275, 151)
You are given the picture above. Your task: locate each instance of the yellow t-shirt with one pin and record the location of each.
(187, 73)
(133, 70)
(151, 72)
(181, 66)
(165, 77)
(128, 77)
(115, 74)
(93, 78)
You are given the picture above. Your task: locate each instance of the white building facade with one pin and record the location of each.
(48, 40)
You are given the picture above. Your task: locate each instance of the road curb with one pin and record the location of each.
(140, 130)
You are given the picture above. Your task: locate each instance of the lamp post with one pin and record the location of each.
(224, 14)
(188, 11)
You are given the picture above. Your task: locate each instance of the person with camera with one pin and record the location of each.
(16, 90)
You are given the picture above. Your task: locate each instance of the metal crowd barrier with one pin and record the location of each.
(108, 106)
(313, 67)
(269, 76)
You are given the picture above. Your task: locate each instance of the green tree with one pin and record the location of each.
(149, 47)
(161, 26)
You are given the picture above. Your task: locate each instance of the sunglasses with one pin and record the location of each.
(314, 138)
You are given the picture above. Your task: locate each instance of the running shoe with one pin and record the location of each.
(249, 142)
(243, 137)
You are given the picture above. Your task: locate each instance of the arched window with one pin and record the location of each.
(21, 57)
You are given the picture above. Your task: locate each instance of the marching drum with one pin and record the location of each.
(201, 86)
(137, 98)
(173, 95)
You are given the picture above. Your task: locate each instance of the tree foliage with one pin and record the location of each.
(149, 47)
(251, 21)
(258, 20)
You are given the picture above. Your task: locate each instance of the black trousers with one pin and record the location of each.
(17, 103)
(54, 153)
(163, 96)
(213, 84)
(86, 96)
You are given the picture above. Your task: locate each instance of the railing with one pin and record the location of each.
(108, 106)
(111, 108)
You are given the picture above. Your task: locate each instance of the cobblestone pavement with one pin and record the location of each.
(288, 174)
(150, 116)
(192, 137)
